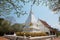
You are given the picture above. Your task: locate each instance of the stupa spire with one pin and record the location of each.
(31, 17)
(31, 10)
(31, 23)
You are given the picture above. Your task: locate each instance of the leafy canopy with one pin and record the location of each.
(14, 6)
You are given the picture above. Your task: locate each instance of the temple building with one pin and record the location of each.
(31, 24)
(37, 25)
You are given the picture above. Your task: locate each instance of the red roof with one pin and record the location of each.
(46, 25)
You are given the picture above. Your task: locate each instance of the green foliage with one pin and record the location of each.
(17, 27)
(58, 33)
(4, 25)
(53, 5)
(7, 6)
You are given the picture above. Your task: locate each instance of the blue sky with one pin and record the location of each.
(45, 14)
(41, 12)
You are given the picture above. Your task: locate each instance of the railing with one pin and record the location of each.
(51, 37)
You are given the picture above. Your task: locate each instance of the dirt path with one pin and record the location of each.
(58, 38)
(2, 38)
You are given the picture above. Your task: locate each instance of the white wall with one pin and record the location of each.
(42, 27)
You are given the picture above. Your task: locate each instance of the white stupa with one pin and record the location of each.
(31, 24)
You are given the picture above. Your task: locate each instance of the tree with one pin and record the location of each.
(54, 5)
(4, 25)
(17, 27)
(7, 6)
(11, 19)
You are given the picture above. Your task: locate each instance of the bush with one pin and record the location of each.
(1, 33)
(33, 34)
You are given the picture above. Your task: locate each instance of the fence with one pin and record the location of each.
(51, 37)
